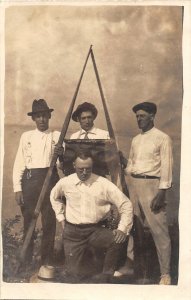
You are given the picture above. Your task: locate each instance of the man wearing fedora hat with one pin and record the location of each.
(85, 114)
(150, 170)
(32, 161)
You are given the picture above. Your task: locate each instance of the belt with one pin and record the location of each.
(88, 225)
(144, 176)
(38, 172)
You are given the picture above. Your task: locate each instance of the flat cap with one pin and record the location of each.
(86, 106)
(149, 107)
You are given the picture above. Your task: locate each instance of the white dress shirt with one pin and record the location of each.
(151, 154)
(93, 133)
(90, 201)
(35, 151)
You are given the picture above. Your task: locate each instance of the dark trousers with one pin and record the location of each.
(76, 241)
(32, 183)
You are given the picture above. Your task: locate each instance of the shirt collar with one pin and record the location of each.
(148, 131)
(88, 182)
(92, 131)
(42, 132)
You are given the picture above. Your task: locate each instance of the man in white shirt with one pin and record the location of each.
(32, 161)
(85, 114)
(88, 201)
(150, 169)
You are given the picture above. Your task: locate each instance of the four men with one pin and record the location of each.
(89, 196)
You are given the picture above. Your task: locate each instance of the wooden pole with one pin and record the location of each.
(31, 229)
(110, 128)
(114, 166)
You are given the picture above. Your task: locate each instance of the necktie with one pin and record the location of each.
(86, 136)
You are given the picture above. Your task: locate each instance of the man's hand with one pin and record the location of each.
(59, 150)
(19, 198)
(158, 202)
(123, 160)
(120, 236)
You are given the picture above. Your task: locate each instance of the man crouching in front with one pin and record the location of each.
(88, 201)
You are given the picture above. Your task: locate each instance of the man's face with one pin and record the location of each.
(83, 168)
(86, 120)
(144, 120)
(42, 120)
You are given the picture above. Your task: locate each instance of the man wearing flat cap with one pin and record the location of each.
(150, 169)
(32, 161)
(85, 114)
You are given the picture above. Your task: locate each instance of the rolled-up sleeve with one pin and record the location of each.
(56, 201)
(166, 164)
(124, 206)
(19, 167)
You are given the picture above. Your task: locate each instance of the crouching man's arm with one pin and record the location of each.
(125, 209)
(57, 203)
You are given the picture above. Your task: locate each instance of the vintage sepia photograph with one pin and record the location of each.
(93, 99)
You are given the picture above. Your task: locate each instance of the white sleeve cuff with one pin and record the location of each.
(60, 217)
(17, 188)
(164, 185)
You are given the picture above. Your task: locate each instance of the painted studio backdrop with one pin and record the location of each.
(138, 51)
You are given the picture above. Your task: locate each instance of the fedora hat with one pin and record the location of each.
(86, 106)
(39, 106)
(45, 274)
(149, 107)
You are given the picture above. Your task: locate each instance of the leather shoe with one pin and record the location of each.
(165, 279)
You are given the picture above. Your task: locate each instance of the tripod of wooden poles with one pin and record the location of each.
(114, 165)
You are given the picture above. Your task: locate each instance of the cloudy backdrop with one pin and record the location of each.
(138, 51)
